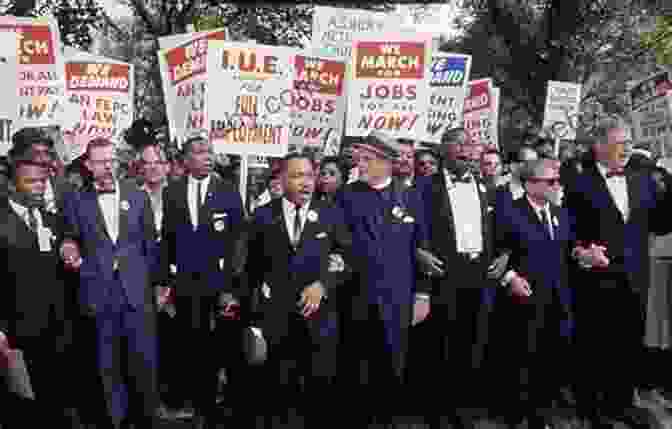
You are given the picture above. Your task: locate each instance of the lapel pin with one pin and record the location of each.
(124, 205)
(397, 212)
(311, 215)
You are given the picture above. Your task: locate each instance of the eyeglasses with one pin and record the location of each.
(550, 181)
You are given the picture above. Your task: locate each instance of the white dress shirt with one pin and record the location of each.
(465, 202)
(618, 188)
(50, 197)
(539, 210)
(22, 212)
(109, 205)
(192, 187)
(291, 212)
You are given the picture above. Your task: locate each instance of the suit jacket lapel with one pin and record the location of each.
(634, 194)
(309, 227)
(602, 189)
(279, 219)
(445, 209)
(124, 207)
(91, 197)
(205, 213)
(483, 196)
(17, 228)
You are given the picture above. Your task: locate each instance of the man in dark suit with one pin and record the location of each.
(110, 239)
(384, 218)
(291, 242)
(458, 217)
(32, 295)
(538, 236)
(615, 211)
(202, 234)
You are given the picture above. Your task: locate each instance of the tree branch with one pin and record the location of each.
(143, 12)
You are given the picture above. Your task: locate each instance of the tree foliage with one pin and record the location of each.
(523, 45)
(660, 40)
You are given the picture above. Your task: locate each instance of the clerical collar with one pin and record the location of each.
(381, 186)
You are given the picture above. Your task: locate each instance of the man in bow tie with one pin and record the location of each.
(615, 212)
(109, 238)
(461, 270)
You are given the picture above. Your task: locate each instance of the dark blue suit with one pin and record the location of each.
(534, 333)
(610, 303)
(117, 304)
(205, 259)
(386, 228)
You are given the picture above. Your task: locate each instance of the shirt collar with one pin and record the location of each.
(291, 207)
(383, 185)
(537, 208)
(194, 181)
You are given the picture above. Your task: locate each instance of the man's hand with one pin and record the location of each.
(593, 256)
(162, 296)
(429, 264)
(519, 287)
(421, 310)
(4, 343)
(336, 263)
(71, 255)
(498, 266)
(311, 298)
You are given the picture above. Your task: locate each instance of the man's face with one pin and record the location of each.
(616, 151)
(299, 181)
(103, 165)
(330, 177)
(404, 165)
(199, 161)
(31, 180)
(545, 184)
(491, 165)
(41, 153)
(427, 165)
(372, 167)
(154, 169)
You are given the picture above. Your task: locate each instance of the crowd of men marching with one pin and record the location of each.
(384, 282)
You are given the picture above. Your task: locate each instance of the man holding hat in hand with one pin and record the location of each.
(384, 219)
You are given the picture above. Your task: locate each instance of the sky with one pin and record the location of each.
(436, 22)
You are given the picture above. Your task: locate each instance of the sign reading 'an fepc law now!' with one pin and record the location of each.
(563, 100)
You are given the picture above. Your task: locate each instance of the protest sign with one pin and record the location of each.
(334, 29)
(389, 85)
(99, 100)
(318, 110)
(650, 111)
(449, 79)
(479, 113)
(40, 83)
(250, 98)
(183, 66)
(563, 100)
(8, 83)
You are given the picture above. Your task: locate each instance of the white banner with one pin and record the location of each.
(8, 83)
(563, 103)
(388, 88)
(334, 29)
(479, 113)
(449, 80)
(250, 98)
(183, 65)
(651, 112)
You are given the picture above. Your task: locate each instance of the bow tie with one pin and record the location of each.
(615, 173)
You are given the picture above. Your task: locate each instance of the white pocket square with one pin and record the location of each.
(490, 208)
(321, 235)
(219, 215)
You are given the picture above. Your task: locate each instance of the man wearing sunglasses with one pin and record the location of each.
(615, 211)
(538, 235)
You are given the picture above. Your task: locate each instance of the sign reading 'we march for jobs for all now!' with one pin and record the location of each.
(389, 85)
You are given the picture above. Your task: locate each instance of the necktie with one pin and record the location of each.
(547, 222)
(32, 219)
(297, 225)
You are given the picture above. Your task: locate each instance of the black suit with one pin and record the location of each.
(297, 346)
(205, 259)
(610, 303)
(33, 312)
(461, 298)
